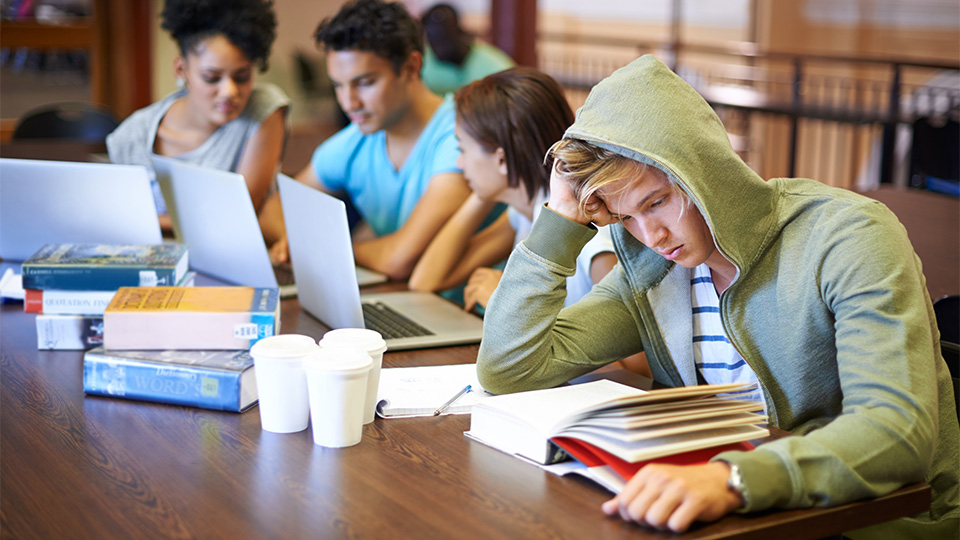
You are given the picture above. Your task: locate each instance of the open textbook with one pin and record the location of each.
(420, 391)
(630, 424)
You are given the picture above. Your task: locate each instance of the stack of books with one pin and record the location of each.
(157, 337)
(69, 286)
(182, 345)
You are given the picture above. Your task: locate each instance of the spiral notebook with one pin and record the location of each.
(419, 391)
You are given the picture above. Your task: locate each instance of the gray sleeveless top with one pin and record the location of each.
(132, 142)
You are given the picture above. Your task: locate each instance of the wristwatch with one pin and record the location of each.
(735, 482)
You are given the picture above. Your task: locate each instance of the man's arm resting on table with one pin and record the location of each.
(396, 254)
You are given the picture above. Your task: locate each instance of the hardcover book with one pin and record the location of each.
(69, 332)
(613, 473)
(218, 380)
(167, 318)
(60, 302)
(628, 423)
(104, 267)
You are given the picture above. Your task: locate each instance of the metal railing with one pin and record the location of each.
(829, 117)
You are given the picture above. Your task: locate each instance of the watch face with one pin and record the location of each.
(735, 482)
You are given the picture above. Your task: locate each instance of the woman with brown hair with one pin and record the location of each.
(506, 122)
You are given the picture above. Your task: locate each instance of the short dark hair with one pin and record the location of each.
(450, 43)
(521, 110)
(383, 28)
(249, 25)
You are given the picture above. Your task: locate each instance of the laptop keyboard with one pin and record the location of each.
(391, 324)
(284, 273)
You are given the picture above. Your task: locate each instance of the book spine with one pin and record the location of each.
(178, 385)
(57, 302)
(131, 330)
(69, 332)
(95, 278)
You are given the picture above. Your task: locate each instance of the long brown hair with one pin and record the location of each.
(521, 110)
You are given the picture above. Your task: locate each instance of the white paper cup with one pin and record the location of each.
(281, 382)
(337, 382)
(374, 345)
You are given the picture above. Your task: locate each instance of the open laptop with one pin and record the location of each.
(213, 215)
(45, 202)
(322, 255)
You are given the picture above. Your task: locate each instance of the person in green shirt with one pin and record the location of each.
(454, 58)
(816, 291)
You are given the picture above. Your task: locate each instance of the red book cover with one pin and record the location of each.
(591, 456)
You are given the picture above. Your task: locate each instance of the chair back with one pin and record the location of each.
(934, 160)
(947, 310)
(77, 121)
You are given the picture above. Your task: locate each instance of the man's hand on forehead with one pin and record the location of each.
(596, 209)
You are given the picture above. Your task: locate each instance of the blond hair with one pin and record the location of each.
(589, 168)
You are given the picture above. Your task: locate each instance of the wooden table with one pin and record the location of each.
(92, 467)
(53, 149)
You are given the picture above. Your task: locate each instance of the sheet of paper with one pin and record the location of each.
(11, 285)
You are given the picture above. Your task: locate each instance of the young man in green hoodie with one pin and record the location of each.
(812, 292)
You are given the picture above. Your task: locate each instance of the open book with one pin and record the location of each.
(628, 423)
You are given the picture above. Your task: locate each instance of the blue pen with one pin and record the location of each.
(450, 401)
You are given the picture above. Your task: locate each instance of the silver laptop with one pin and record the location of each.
(322, 255)
(45, 202)
(213, 215)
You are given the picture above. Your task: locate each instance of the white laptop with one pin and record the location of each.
(213, 215)
(45, 202)
(322, 255)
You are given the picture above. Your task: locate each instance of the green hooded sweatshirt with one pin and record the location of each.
(829, 308)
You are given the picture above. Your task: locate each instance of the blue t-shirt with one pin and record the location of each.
(358, 165)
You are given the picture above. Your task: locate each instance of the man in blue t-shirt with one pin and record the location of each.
(396, 161)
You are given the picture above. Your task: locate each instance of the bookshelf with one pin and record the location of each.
(115, 35)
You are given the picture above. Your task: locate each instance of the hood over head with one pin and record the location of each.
(645, 112)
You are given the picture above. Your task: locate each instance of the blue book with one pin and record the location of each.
(104, 267)
(218, 380)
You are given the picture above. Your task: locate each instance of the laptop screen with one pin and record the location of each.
(43, 202)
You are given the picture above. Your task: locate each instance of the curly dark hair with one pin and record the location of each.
(249, 25)
(384, 28)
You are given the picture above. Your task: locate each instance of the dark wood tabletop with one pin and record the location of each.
(54, 149)
(93, 467)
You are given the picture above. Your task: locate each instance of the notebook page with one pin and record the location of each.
(419, 391)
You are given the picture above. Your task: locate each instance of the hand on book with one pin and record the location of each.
(673, 497)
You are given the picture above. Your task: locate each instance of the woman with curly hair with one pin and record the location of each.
(217, 118)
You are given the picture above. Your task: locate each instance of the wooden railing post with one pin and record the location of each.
(796, 102)
(890, 129)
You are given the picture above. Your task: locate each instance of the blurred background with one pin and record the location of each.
(844, 91)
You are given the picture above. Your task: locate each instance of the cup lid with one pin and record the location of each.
(339, 359)
(283, 347)
(368, 340)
